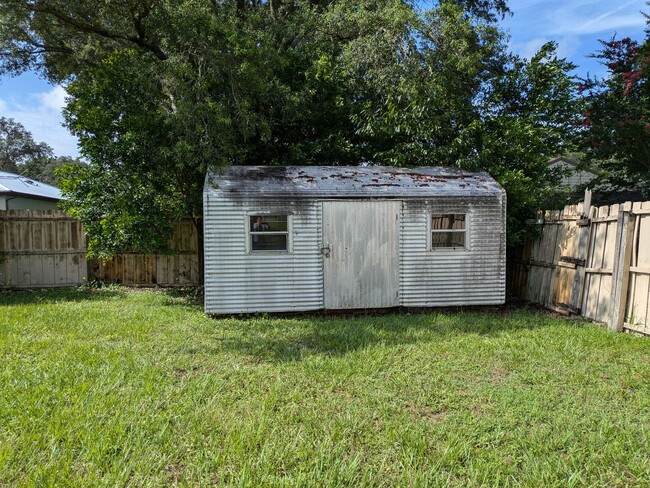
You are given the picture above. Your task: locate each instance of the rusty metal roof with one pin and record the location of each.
(350, 181)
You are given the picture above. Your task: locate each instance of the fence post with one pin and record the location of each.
(584, 235)
(621, 271)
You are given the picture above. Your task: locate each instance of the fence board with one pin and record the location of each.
(639, 292)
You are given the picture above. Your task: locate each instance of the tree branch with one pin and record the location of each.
(139, 40)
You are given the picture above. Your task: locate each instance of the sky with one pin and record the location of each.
(575, 24)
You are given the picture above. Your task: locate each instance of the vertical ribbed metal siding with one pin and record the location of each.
(239, 282)
(455, 277)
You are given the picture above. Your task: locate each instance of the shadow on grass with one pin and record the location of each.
(186, 297)
(55, 295)
(268, 339)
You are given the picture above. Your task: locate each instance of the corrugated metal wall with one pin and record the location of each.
(237, 281)
(475, 276)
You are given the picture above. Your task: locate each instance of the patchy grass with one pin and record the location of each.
(116, 387)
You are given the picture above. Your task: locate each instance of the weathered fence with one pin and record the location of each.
(179, 268)
(593, 262)
(47, 248)
(41, 248)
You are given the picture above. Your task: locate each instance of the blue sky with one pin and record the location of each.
(575, 24)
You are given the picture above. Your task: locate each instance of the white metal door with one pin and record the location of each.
(360, 254)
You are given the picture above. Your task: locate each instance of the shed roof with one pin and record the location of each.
(350, 181)
(13, 184)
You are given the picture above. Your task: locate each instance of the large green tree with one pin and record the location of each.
(616, 123)
(18, 147)
(161, 89)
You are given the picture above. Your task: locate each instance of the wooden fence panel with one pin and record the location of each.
(47, 248)
(518, 270)
(178, 269)
(597, 267)
(41, 248)
(569, 253)
(598, 282)
(541, 263)
(637, 315)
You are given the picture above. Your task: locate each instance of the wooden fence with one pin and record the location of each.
(593, 262)
(41, 248)
(177, 269)
(47, 248)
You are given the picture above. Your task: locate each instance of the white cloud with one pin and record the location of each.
(53, 99)
(576, 25)
(604, 23)
(566, 46)
(40, 113)
(577, 17)
(529, 48)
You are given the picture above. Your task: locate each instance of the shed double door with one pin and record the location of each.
(360, 251)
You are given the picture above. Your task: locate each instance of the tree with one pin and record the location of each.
(46, 169)
(160, 90)
(18, 148)
(528, 118)
(20, 154)
(482, 109)
(616, 122)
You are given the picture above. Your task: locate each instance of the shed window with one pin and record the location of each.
(448, 231)
(269, 233)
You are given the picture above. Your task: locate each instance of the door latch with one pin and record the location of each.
(326, 250)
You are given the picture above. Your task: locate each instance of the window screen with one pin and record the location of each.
(448, 231)
(269, 233)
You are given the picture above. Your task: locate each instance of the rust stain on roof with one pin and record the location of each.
(346, 181)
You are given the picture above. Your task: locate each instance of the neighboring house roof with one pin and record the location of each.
(350, 181)
(577, 176)
(15, 185)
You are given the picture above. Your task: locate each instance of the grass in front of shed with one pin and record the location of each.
(115, 387)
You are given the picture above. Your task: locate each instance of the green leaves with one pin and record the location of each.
(160, 90)
(18, 148)
(616, 119)
(121, 213)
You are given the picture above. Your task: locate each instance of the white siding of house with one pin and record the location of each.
(575, 177)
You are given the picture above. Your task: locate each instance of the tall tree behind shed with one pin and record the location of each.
(161, 89)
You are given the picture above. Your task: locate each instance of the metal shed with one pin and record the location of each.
(333, 237)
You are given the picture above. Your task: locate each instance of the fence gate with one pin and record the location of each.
(572, 242)
(600, 263)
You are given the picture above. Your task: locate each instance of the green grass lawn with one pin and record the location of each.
(117, 387)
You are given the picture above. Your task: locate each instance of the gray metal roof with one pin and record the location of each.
(13, 184)
(350, 181)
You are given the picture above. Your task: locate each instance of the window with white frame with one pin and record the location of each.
(448, 231)
(269, 233)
